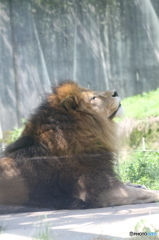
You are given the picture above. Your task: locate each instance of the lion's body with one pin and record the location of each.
(65, 157)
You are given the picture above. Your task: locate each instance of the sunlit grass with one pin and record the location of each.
(43, 230)
(2, 228)
(141, 168)
(145, 226)
(142, 105)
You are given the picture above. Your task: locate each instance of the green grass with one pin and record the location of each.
(2, 229)
(144, 226)
(11, 136)
(141, 168)
(140, 113)
(44, 230)
(142, 105)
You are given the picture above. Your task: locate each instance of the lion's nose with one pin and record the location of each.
(115, 94)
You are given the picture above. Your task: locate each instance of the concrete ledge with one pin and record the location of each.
(93, 224)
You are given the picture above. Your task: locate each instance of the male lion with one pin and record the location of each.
(65, 156)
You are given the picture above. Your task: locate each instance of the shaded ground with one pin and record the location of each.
(93, 224)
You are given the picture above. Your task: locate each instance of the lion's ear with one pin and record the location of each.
(70, 103)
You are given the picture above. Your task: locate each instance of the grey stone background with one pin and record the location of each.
(102, 44)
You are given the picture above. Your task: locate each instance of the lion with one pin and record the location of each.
(66, 155)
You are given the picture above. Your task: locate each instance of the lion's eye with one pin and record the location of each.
(93, 98)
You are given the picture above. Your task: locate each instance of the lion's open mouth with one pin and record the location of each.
(114, 113)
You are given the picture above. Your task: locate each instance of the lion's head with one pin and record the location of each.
(92, 112)
(76, 120)
(71, 97)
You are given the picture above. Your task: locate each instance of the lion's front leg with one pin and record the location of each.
(13, 189)
(125, 195)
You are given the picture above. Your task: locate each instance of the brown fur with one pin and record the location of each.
(66, 154)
